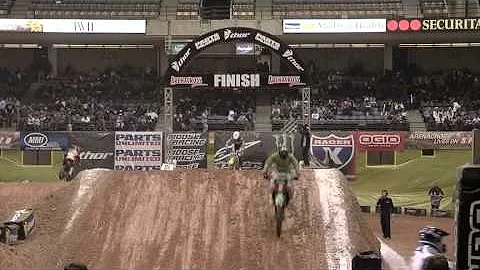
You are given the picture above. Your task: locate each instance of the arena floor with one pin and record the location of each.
(123, 224)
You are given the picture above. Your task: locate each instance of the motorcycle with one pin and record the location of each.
(66, 172)
(280, 194)
(234, 161)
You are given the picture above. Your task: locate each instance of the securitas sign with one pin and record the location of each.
(434, 25)
(319, 26)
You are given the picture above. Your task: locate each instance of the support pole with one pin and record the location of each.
(168, 123)
(306, 106)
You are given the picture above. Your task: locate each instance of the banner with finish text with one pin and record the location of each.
(189, 150)
(138, 151)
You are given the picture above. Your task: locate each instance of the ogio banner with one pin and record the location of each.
(256, 147)
(379, 141)
(188, 149)
(138, 151)
(9, 139)
(96, 149)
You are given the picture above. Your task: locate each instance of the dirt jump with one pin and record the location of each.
(190, 219)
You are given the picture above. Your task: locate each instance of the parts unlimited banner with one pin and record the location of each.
(138, 151)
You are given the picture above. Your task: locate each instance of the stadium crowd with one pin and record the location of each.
(130, 99)
(110, 100)
(196, 110)
(342, 95)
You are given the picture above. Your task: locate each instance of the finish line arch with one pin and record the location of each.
(235, 34)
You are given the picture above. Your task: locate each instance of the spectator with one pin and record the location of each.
(385, 204)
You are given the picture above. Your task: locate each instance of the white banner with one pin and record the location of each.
(80, 26)
(138, 151)
(316, 26)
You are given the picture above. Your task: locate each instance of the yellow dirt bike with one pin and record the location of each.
(234, 161)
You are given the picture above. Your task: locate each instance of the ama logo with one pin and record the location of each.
(332, 151)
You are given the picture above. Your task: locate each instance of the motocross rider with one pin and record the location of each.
(72, 156)
(282, 165)
(234, 145)
(430, 244)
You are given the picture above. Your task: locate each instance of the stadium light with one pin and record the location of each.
(198, 85)
(297, 84)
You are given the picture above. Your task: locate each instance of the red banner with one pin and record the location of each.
(379, 141)
(9, 139)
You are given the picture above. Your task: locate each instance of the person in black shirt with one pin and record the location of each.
(386, 208)
(305, 143)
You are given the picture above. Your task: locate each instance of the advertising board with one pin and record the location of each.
(73, 26)
(319, 26)
(138, 151)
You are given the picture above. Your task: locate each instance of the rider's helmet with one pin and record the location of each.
(283, 152)
(432, 236)
(236, 135)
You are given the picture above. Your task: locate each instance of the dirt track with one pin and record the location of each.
(187, 219)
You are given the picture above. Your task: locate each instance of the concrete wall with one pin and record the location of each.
(88, 59)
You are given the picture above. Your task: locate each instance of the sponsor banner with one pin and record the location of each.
(333, 150)
(236, 80)
(9, 139)
(138, 151)
(176, 80)
(379, 141)
(43, 141)
(440, 140)
(189, 150)
(97, 149)
(434, 25)
(80, 26)
(273, 79)
(257, 147)
(238, 35)
(319, 26)
(245, 49)
(467, 227)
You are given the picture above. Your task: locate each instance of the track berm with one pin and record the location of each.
(189, 219)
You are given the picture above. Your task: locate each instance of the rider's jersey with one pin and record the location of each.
(282, 165)
(235, 145)
(72, 155)
(422, 253)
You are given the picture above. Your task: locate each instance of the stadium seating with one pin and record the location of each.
(243, 9)
(5, 6)
(350, 124)
(95, 8)
(188, 10)
(434, 8)
(336, 9)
